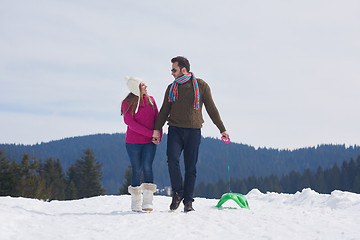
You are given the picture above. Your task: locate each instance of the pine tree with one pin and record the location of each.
(55, 183)
(26, 179)
(15, 172)
(357, 177)
(320, 183)
(273, 184)
(220, 188)
(239, 186)
(305, 180)
(357, 184)
(351, 174)
(86, 175)
(29, 182)
(127, 181)
(6, 180)
(333, 178)
(345, 181)
(210, 190)
(200, 190)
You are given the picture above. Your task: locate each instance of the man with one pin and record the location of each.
(182, 108)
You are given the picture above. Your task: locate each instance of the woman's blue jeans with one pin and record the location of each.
(141, 158)
(186, 140)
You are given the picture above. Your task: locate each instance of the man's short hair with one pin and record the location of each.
(182, 62)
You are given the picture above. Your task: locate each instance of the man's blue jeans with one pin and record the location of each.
(187, 140)
(141, 158)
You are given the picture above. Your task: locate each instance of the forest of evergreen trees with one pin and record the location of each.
(345, 178)
(47, 180)
(245, 160)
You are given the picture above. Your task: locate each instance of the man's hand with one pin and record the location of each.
(225, 135)
(156, 137)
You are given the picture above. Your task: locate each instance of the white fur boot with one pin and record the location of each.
(148, 193)
(136, 198)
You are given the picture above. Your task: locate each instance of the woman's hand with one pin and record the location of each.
(156, 137)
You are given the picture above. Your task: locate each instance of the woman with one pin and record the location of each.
(140, 113)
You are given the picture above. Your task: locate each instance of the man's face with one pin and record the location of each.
(176, 71)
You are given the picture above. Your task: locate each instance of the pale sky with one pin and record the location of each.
(283, 74)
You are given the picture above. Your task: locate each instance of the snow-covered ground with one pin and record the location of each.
(304, 215)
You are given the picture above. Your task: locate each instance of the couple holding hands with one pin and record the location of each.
(182, 108)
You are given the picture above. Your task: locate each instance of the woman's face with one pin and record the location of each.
(143, 88)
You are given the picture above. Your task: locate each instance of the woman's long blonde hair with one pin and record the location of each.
(132, 99)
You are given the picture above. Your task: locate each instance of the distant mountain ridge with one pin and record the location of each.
(244, 160)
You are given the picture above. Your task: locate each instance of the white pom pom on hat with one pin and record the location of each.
(133, 84)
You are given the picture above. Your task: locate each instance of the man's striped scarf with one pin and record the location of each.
(181, 80)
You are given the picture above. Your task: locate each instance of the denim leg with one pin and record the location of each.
(134, 152)
(191, 150)
(148, 155)
(174, 148)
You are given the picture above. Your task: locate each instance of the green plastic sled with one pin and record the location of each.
(237, 197)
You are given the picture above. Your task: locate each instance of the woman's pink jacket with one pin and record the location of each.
(140, 127)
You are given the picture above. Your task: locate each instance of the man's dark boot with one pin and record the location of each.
(188, 207)
(176, 200)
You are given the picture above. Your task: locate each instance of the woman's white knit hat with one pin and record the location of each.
(133, 84)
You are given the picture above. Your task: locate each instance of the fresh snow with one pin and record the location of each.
(303, 215)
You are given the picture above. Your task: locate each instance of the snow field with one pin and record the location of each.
(304, 215)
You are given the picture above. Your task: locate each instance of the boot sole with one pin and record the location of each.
(175, 208)
(148, 209)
